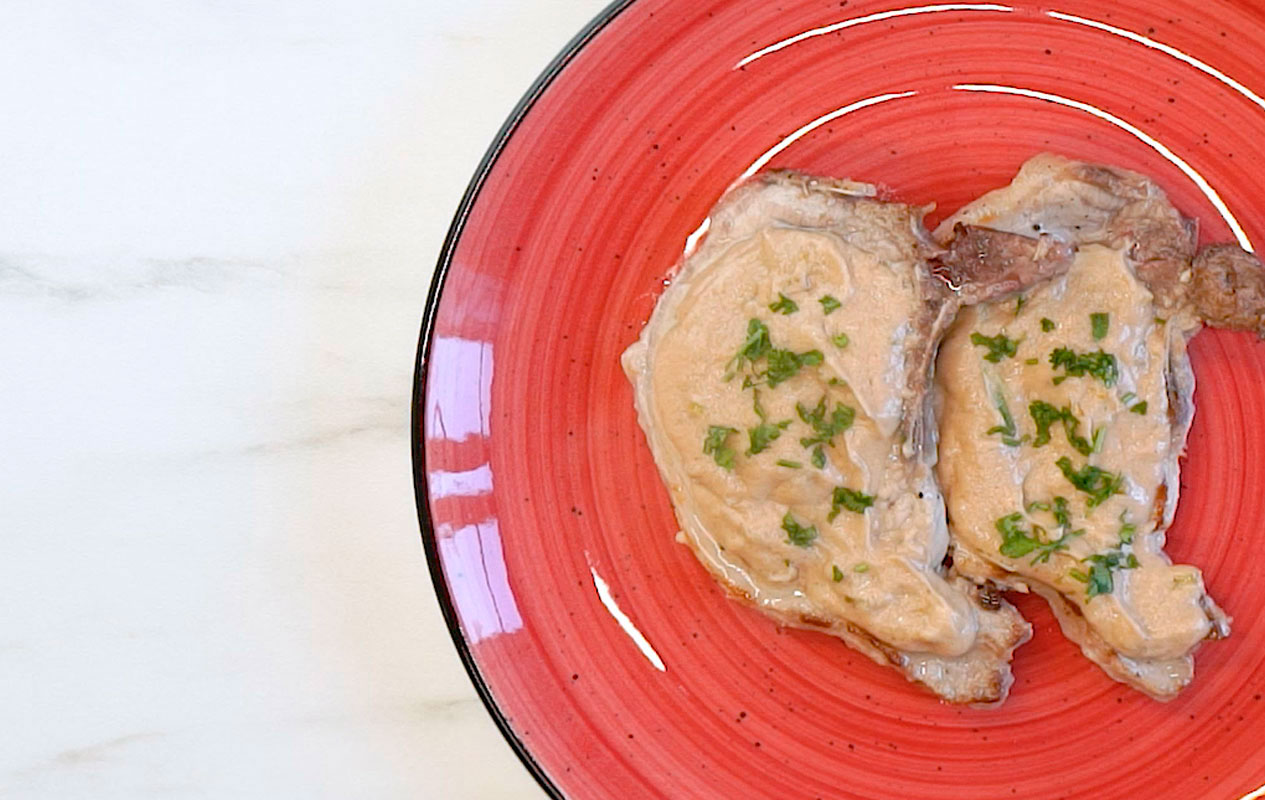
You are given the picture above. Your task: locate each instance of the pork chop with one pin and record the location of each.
(1063, 413)
(783, 383)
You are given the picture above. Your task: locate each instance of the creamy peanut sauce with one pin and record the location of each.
(876, 569)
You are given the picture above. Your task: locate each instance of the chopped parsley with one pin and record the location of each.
(1099, 365)
(1096, 482)
(999, 346)
(862, 568)
(784, 305)
(755, 348)
(841, 340)
(1009, 433)
(1061, 515)
(826, 427)
(1140, 408)
(1127, 529)
(1099, 578)
(1032, 362)
(755, 404)
(850, 499)
(1047, 324)
(1099, 323)
(784, 364)
(797, 534)
(829, 304)
(1045, 415)
(1099, 435)
(763, 435)
(819, 457)
(1019, 304)
(715, 445)
(1018, 541)
(781, 462)
(836, 574)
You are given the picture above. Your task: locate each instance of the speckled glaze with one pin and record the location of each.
(614, 664)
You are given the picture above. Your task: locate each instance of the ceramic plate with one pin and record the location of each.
(612, 662)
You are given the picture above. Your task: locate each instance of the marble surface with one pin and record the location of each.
(218, 222)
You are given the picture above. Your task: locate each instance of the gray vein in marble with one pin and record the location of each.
(316, 440)
(89, 754)
(37, 275)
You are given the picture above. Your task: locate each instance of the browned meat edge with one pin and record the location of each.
(1228, 289)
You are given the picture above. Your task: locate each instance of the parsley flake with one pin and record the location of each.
(829, 304)
(761, 436)
(784, 305)
(715, 445)
(1099, 322)
(1127, 529)
(1009, 432)
(999, 346)
(797, 534)
(1099, 579)
(840, 340)
(1045, 415)
(1096, 482)
(826, 427)
(784, 364)
(1018, 541)
(836, 574)
(756, 347)
(850, 499)
(1099, 365)
(1140, 408)
(1047, 324)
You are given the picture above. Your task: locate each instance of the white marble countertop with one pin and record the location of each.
(217, 227)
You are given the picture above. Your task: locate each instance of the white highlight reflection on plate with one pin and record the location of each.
(1180, 55)
(459, 389)
(475, 563)
(877, 17)
(467, 483)
(804, 130)
(625, 624)
(1146, 138)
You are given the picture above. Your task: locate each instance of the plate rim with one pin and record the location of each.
(416, 418)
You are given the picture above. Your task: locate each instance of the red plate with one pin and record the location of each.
(615, 666)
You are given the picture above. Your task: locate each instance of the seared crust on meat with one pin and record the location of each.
(1228, 289)
(1101, 205)
(985, 264)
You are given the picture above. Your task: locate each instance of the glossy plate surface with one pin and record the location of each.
(615, 665)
